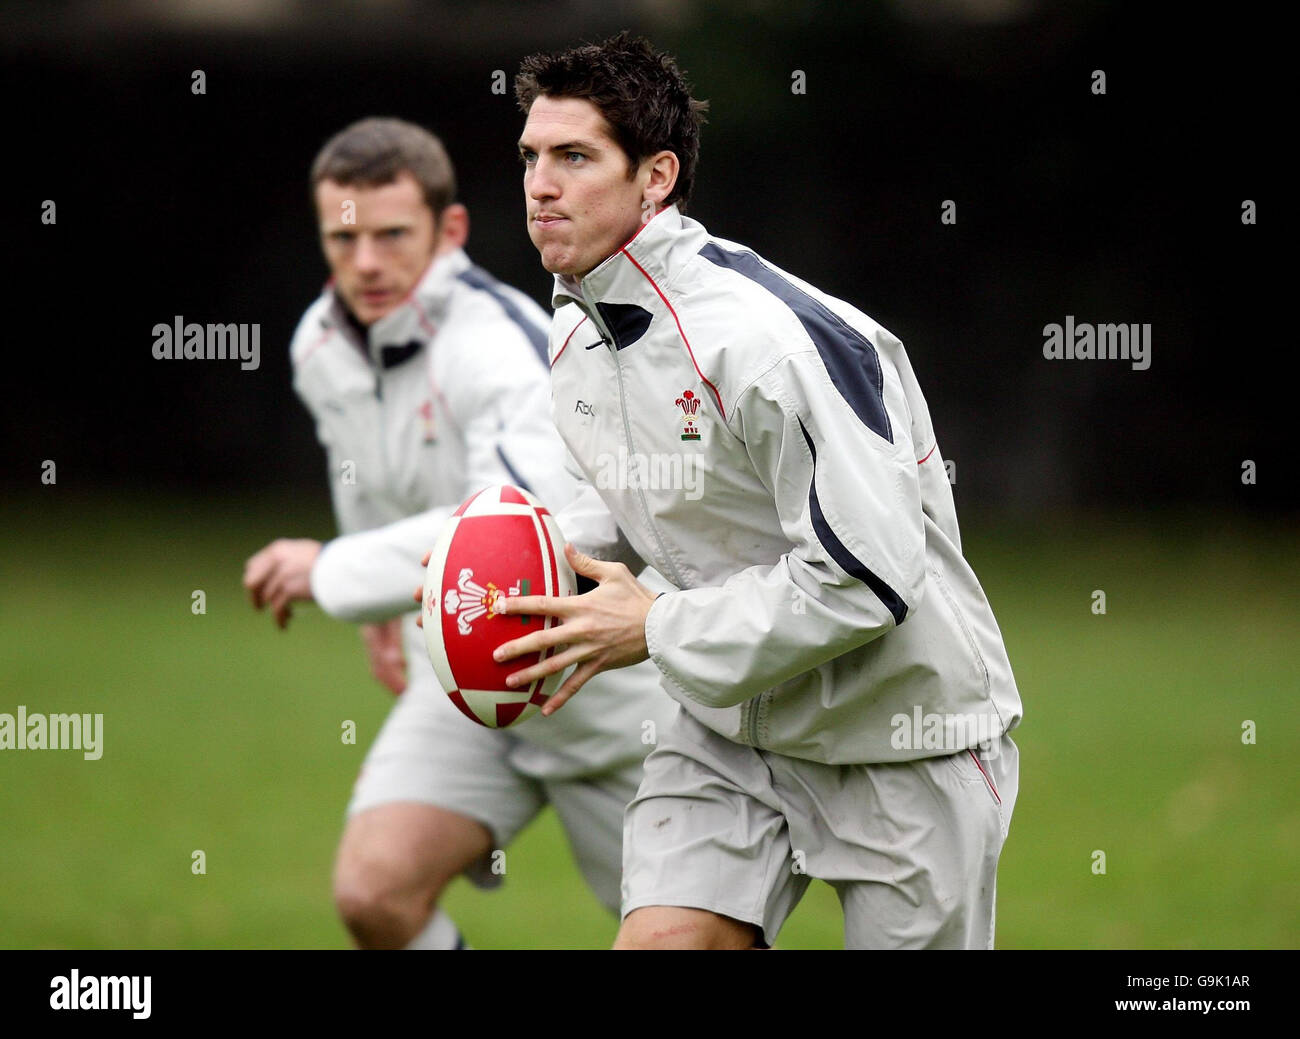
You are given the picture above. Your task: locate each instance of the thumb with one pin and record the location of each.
(584, 564)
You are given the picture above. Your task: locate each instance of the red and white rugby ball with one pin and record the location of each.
(500, 542)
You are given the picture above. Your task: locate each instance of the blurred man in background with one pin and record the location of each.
(427, 381)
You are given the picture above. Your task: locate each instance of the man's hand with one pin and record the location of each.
(384, 647)
(603, 629)
(280, 574)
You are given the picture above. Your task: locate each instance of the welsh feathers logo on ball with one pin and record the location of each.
(501, 541)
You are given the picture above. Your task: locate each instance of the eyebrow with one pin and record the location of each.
(567, 146)
(396, 225)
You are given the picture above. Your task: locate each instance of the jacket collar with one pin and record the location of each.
(649, 260)
(419, 316)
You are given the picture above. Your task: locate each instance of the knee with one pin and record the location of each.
(393, 863)
(379, 905)
(671, 927)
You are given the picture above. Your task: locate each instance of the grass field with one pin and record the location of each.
(222, 734)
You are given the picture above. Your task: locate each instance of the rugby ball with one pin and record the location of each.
(501, 542)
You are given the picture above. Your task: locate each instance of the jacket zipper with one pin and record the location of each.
(645, 509)
(627, 433)
(378, 372)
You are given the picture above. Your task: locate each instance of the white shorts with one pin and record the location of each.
(429, 753)
(911, 848)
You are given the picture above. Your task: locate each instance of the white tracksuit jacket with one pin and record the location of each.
(448, 394)
(767, 449)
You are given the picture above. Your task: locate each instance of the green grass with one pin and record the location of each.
(222, 734)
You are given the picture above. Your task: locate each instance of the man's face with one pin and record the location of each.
(581, 205)
(378, 241)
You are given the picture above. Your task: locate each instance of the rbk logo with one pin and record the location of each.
(583, 408)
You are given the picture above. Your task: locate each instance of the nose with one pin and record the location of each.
(366, 257)
(541, 184)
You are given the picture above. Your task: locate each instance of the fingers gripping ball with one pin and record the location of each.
(501, 542)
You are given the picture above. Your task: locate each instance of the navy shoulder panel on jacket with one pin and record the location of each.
(849, 356)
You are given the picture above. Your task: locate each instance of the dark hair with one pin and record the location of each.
(372, 152)
(641, 93)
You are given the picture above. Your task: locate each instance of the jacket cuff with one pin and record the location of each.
(334, 590)
(321, 589)
(657, 645)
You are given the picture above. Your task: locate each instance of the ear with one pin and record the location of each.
(662, 168)
(453, 231)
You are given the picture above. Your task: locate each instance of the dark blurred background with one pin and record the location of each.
(1117, 208)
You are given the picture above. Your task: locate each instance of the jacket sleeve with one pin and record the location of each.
(501, 406)
(849, 503)
(371, 575)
